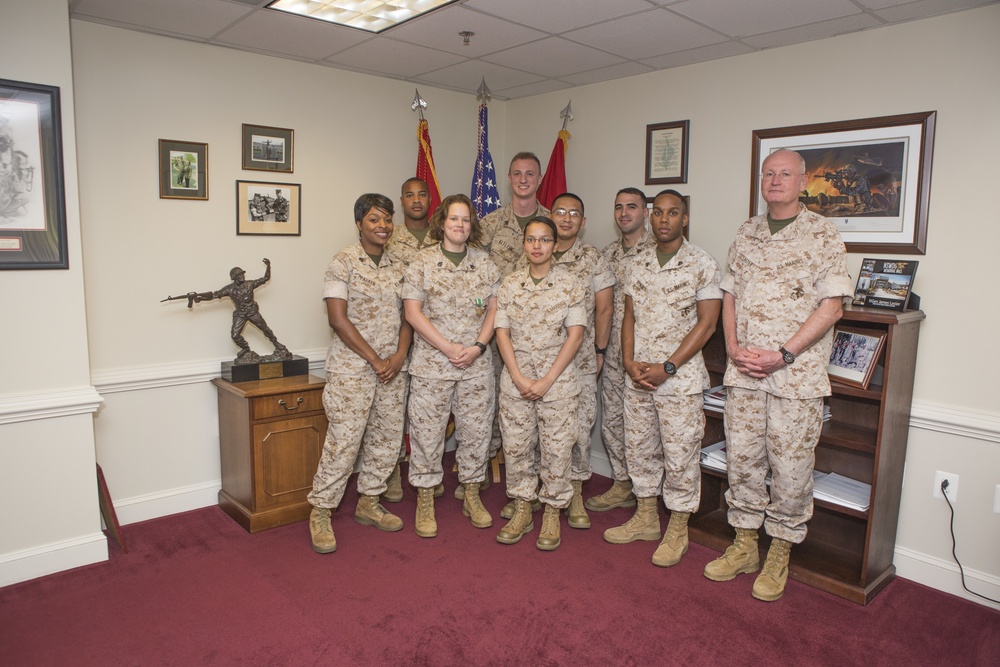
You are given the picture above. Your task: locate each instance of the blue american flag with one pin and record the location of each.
(485, 196)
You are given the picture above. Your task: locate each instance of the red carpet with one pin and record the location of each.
(196, 589)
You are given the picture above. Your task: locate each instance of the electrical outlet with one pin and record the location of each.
(952, 485)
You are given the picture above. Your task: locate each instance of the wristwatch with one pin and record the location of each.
(600, 350)
(481, 346)
(786, 355)
(669, 368)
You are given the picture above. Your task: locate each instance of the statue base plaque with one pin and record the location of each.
(264, 370)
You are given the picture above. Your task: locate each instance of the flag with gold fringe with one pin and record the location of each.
(425, 165)
(554, 181)
(485, 195)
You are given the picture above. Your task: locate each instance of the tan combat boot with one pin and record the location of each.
(472, 506)
(393, 487)
(644, 524)
(321, 531)
(439, 490)
(619, 495)
(770, 583)
(371, 513)
(576, 514)
(741, 557)
(425, 524)
(460, 489)
(675, 541)
(508, 510)
(548, 538)
(520, 523)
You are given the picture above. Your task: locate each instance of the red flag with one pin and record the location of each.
(554, 181)
(425, 165)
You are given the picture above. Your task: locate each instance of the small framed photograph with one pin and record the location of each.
(855, 355)
(183, 170)
(667, 152)
(268, 208)
(268, 148)
(885, 283)
(32, 191)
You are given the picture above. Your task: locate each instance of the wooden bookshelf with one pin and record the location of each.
(847, 552)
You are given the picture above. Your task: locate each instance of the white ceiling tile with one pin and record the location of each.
(808, 33)
(279, 32)
(556, 16)
(645, 35)
(703, 54)
(395, 58)
(553, 57)
(194, 18)
(467, 76)
(924, 8)
(440, 30)
(546, 86)
(607, 73)
(737, 19)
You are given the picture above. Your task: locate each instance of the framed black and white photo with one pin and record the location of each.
(268, 148)
(32, 189)
(272, 209)
(855, 355)
(183, 170)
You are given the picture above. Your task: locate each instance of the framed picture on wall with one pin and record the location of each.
(667, 152)
(268, 148)
(272, 209)
(183, 170)
(871, 177)
(32, 189)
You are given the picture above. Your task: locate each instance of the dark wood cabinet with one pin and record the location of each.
(271, 435)
(846, 552)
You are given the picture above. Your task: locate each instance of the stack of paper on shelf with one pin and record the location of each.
(714, 456)
(715, 398)
(842, 490)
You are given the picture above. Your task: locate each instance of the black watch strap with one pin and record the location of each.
(669, 368)
(787, 356)
(481, 346)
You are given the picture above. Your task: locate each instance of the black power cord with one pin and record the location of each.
(944, 492)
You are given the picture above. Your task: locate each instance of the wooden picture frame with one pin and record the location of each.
(32, 186)
(271, 209)
(854, 355)
(667, 152)
(871, 177)
(268, 148)
(183, 169)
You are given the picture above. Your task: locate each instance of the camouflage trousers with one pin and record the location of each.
(580, 469)
(360, 410)
(496, 438)
(430, 403)
(613, 419)
(548, 427)
(663, 442)
(769, 433)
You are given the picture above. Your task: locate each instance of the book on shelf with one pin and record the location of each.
(885, 283)
(842, 490)
(714, 456)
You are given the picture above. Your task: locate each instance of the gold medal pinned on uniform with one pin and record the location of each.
(480, 307)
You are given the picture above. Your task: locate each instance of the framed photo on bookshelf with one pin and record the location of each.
(870, 176)
(271, 209)
(855, 355)
(885, 283)
(183, 169)
(268, 148)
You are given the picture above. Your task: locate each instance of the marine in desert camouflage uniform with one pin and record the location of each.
(672, 304)
(366, 374)
(539, 327)
(450, 300)
(784, 290)
(630, 215)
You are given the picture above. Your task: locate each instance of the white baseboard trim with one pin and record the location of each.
(28, 564)
(165, 503)
(944, 575)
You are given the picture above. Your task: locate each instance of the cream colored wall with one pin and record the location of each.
(946, 64)
(47, 475)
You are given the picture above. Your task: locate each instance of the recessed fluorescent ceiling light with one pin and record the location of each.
(370, 15)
